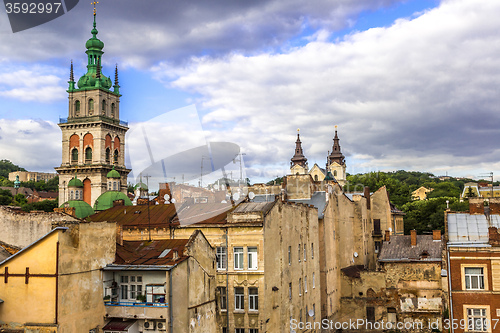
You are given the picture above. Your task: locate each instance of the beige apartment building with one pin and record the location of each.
(26, 176)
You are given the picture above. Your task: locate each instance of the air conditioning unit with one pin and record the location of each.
(149, 325)
(162, 326)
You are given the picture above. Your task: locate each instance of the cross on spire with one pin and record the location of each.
(94, 3)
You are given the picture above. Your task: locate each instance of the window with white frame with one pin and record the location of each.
(222, 298)
(238, 257)
(221, 256)
(252, 258)
(239, 298)
(131, 286)
(474, 278)
(477, 320)
(253, 299)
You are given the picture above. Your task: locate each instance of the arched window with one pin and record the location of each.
(91, 106)
(74, 155)
(71, 195)
(115, 156)
(77, 108)
(88, 154)
(77, 196)
(108, 153)
(103, 106)
(114, 186)
(316, 177)
(112, 109)
(109, 186)
(335, 173)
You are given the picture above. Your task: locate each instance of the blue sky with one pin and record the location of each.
(411, 84)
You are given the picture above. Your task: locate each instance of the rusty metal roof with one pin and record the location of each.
(399, 249)
(470, 229)
(137, 216)
(205, 213)
(118, 325)
(156, 252)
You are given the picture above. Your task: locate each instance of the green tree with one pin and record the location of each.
(20, 199)
(5, 197)
(45, 205)
(7, 166)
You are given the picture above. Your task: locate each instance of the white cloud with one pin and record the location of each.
(32, 144)
(425, 87)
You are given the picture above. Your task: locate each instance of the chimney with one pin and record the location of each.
(387, 235)
(476, 205)
(413, 237)
(119, 234)
(494, 206)
(436, 235)
(367, 196)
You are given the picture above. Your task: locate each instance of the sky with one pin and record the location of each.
(410, 84)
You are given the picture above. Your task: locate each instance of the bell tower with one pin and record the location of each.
(298, 163)
(335, 162)
(93, 137)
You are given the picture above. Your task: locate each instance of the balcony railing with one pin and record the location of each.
(92, 118)
(138, 304)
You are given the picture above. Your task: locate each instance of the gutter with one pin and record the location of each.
(170, 310)
(449, 290)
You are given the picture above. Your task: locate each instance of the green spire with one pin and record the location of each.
(94, 54)
(71, 78)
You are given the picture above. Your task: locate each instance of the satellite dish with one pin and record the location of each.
(390, 229)
(311, 313)
(173, 200)
(356, 254)
(236, 196)
(251, 195)
(166, 197)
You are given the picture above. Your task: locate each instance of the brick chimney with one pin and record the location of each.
(387, 235)
(413, 237)
(476, 205)
(119, 234)
(494, 206)
(366, 194)
(436, 235)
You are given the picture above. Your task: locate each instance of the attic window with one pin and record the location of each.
(424, 254)
(137, 212)
(164, 253)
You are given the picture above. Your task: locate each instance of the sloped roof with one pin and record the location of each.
(399, 249)
(318, 200)
(118, 325)
(470, 228)
(156, 252)
(137, 216)
(254, 207)
(204, 213)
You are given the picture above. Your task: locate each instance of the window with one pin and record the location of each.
(74, 155)
(477, 320)
(289, 255)
(91, 106)
(312, 250)
(108, 153)
(103, 106)
(474, 278)
(88, 154)
(239, 299)
(253, 330)
(77, 197)
(370, 314)
(316, 177)
(305, 252)
(307, 313)
(299, 252)
(300, 287)
(112, 109)
(314, 284)
(252, 258)
(71, 195)
(238, 258)
(376, 227)
(77, 107)
(290, 290)
(130, 286)
(239, 330)
(314, 311)
(115, 156)
(221, 256)
(109, 186)
(114, 186)
(305, 284)
(253, 299)
(377, 246)
(222, 298)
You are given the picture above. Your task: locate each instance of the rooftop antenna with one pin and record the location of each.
(490, 174)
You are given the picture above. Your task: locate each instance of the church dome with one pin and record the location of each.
(105, 200)
(141, 186)
(94, 43)
(113, 174)
(75, 182)
(82, 209)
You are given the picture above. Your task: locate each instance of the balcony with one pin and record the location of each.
(92, 119)
(138, 304)
(136, 310)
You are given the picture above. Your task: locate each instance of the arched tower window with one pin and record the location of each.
(74, 155)
(77, 108)
(115, 156)
(114, 186)
(88, 155)
(108, 153)
(71, 195)
(109, 186)
(91, 106)
(335, 173)
(316, 177)
(77, 195)
(103, 107)
(112, 110)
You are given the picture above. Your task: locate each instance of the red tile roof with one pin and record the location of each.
(156, 252)
(137, 216)
(203, 213)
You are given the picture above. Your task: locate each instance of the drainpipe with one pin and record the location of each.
(449, 289)
(227, 282)
(171, 315)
